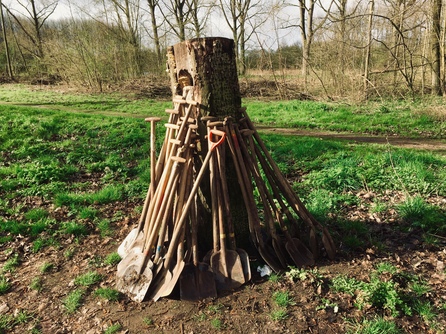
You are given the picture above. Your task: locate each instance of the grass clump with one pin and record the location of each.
(11, 264)
(283, 299)
(113, 329)
(112, 259)
(389, 290)
(74, 228)
(279, 314)
(73, 301)
(104, 228)
(4, 285)
(87, 279)
(36, 284)
(108, 294)
(416, 212)
(217, 323)
(46, 267)
(377, 325)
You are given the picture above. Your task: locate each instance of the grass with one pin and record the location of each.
(46, 267)
(373, 117)
(283, 299)
(217, 324)
(36, 284)
(4, 285)
(11, 264)
(374, 326)
(279, 314)
(87, 279)
(115, 328)
(390, 290)
(73, 300)
(108, 294)
(112, 259)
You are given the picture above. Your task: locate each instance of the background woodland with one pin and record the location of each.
(331, 49)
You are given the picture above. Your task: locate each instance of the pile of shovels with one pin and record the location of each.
(162, 251)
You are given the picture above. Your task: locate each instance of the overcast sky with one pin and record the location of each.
(217, 25)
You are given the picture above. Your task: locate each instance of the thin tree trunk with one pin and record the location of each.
(436, 50)
(5, 42)
(36, 23)
(152, 8)
(368, 49)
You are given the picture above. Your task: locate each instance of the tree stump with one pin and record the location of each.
(209, 65)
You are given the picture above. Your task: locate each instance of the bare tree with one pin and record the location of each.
(436, 49)
(153, 5)
(243, 17)
(368, 48)
(127, 15)
(186, 18)
(176, 9)
(5, 42)
(308, 29)
(37, 13)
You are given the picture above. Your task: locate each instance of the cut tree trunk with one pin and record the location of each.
(209, 65)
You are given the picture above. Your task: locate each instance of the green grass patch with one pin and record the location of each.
(73, 301)
(374, 326)
(11, 264)
(389, 290)
(4, 285)
(112, 259)
(115, 328)
(374, 117)
(283, 299)
(88, 279)
(108, 294)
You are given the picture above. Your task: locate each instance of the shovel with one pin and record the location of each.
(167, 277)
(134, 274)
(298, 252)
(266, 198)
(244, 257)
(225, 263)
(291, 197)
(135, 239)
(247, 192)
(197, 280)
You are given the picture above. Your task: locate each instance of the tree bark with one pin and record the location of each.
(152, 8)
(5, 42)
(436, 49)
(368, 49)
(209, 65)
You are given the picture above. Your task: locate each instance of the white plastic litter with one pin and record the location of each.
(264, 271)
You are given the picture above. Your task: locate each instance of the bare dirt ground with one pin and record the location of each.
(246, 310)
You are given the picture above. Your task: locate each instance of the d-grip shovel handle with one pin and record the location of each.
(179, 225)
(222, 134)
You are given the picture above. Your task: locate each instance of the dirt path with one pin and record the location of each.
(436, 145)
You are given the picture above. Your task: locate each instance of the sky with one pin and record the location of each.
(218, 26)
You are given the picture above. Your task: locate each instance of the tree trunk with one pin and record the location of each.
(368, 49)
(436, 50)
(209, 65)
(5, 42)
(152, 8)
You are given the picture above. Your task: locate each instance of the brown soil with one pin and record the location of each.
(246, 310)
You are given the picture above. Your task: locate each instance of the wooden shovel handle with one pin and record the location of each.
(179, 225)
